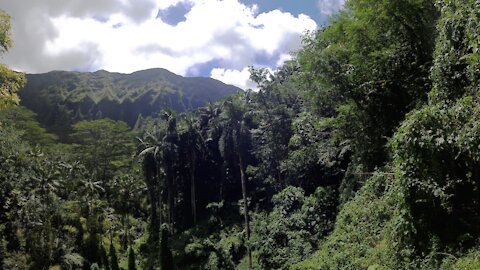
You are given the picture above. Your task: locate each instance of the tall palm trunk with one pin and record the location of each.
(151, 175)
(160, 207)
(159, 191)
(245, 207)
(222, 181)
(154, 222)
(170, 196)
(192, 186)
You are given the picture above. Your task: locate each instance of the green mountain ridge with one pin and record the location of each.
(61, 98)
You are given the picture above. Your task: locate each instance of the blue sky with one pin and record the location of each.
(215, 38)
(296, 7)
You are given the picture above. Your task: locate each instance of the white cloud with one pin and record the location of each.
(239, 78)
(126, 36)
(328, 7)
(283, 58)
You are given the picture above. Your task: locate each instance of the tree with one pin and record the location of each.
(273, 109)
(126, 198)
(131, 259)
(104, 261)
(366, 69)
(113, 258)
(150, 152)
(170, 160)
(166, 257)
(293, 228)
(192, 140)
(436, 150)
(35, 195)
(92, 209)
(210, 125)
(157, 167)
(10, 81)
(42, 208)
(235, 128)
(5, 35)
(103, 145)
(24, 119)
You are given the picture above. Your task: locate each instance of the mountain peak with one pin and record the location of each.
(61, 98)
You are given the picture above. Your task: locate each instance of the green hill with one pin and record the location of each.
(61, 98)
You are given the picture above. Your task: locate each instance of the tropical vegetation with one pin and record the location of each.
(362, 152)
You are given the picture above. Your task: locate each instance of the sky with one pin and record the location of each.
(209, 38)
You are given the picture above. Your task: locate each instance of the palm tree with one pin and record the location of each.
(41, 207)
(124, 199)
(210, 125)
(89, 195)
(235, 128)
(150, 152)
(158, 151)
(195, 143)
(170, 159)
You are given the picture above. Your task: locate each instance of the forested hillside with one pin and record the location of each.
(362, 152)
(61, 98)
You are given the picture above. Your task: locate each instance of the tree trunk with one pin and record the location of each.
(154, 222)
(245, 208)
(222, 180)
(151, 177)
(124, 237)
(159, 191)
(192, 186)
(170, 196)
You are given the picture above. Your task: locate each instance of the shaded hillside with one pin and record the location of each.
(61, 98)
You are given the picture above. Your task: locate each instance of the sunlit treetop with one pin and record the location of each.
(5, 37)
(10, 81)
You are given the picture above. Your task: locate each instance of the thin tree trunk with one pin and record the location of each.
(160, 208)
(170, 197)
(159, 190)
(245, 208)
(151, 171)
(222, 180)
(154, 222)
(124, 239)
(192, 187)
(127, 229)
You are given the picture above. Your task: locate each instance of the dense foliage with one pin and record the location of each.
(360, 153)
(10, 81)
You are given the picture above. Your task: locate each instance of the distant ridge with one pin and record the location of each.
(61, 98)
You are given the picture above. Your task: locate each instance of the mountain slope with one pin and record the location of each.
(61, 98)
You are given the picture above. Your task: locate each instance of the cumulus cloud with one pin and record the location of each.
(284, 58)
(130, 35)
(240, 78)
(328, 7)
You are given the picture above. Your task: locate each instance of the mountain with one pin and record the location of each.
(61, 98)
